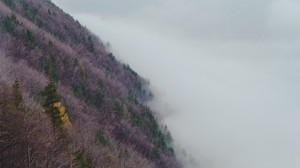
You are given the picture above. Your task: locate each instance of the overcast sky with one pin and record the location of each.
(226, 73)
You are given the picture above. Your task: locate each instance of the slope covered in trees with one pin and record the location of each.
(73, 104)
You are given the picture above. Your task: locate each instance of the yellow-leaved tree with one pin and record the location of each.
(62, 114)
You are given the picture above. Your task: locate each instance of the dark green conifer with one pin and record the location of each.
(52, 97)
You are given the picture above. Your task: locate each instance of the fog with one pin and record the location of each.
(226, 73)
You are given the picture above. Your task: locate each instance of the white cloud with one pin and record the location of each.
(226, 72)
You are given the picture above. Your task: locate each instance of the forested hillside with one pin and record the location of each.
(66, 101)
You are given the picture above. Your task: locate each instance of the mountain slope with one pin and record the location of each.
(104, 99)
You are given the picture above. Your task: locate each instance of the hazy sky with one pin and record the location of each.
(226, 73)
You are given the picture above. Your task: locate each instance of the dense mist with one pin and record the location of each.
(225, 73)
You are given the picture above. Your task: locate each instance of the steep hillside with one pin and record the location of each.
(65, 101)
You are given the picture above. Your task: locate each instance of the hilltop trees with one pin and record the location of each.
(111, 124)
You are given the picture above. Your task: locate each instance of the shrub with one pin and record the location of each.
(17, 95)
(58, 35)
(138, 86)
(101, 138)
(82, 92)
(10, 24)
(65, 62)
(111, 57)
(155, 153)
(84, 160)
(123, 152)
(30, 39)
(39, 22)
(8, 3)
(132, 97)
(99, 95)
(127, 67)
(90, 45)
(51, 68)
(94, 98)
(29, 10)
(134, 118)
(118, 107)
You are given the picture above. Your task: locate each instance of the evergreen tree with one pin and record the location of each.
(17, 95)
(52, 97)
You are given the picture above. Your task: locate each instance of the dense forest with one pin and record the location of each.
(66, 101)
